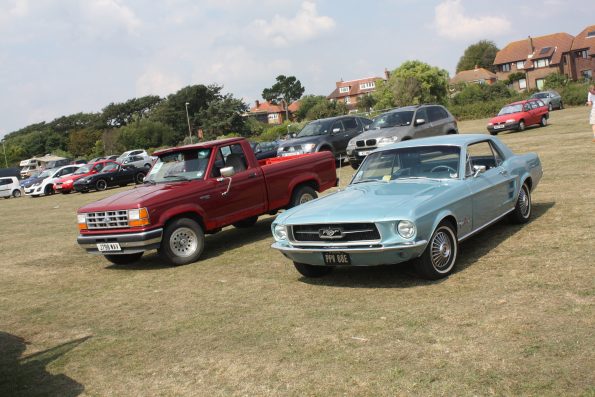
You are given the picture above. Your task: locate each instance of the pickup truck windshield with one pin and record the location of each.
(180, 166)
(428, 162)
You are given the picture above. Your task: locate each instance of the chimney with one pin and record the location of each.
(386, 74)
(257, 103)
(530, 42)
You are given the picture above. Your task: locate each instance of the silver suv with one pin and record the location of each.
(401, 124)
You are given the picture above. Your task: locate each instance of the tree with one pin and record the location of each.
(327, 109)
(146, 134)
(307, 103)
(81, 143)
(121, 114)
(412, 83)
(480, 54)
(365, 103)
(287, 88)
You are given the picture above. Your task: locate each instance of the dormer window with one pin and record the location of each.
(367, 85)
(505, 67)
(344, 90)
(541, 63)
(591, 33)
(520, 65)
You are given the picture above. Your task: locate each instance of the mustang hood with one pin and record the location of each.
(367, 202)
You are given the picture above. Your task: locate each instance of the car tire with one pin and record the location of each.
(183, 242)
(101, 184)
(521, 126)
(49, 190)
(139, 178)
(16, 193)
(124, 259)
(440, 255)
(302, 195)
(550, 107)
(493, 132)
(561, 105)
(147, 166)
(311, 270)
(245, 223)
(543, 121)
(523, 207)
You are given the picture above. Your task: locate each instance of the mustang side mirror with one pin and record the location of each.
(420, 121)
(226, 173)
(478, 169)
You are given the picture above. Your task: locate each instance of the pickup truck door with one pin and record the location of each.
(247, 192)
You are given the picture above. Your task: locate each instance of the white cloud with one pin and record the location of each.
(156, 82)
(451, 22)
(282, 31)
(104, 17)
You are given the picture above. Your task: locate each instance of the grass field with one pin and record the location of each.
(516, 318)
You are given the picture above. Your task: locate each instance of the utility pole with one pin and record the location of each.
(4, 148)
(188, 119)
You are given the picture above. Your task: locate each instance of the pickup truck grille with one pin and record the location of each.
(341, 232)
(107, 219)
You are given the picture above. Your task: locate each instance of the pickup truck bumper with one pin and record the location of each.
(129, 243)
(359, 256)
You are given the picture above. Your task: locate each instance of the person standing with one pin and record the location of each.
(591, 102)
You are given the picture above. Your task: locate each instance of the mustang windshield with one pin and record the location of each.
(392, 119)
(314, 128)
(432, 162)
(508, 109)
(180, 166)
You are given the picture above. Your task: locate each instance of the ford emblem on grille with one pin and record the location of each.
(330, 233)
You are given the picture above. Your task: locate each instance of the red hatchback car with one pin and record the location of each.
(518, 115)
(66, 184)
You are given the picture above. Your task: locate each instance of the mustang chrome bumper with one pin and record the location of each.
(129, 242)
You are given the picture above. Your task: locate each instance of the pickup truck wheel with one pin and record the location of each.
(101, 184)
(302, 195)
(248, 222)
(440, 254)
(311, 270)
(124, 259)
(183, 242)
(522, 209)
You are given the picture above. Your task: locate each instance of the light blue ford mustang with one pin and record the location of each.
(411, 200)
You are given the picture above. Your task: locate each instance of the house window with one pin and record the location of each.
(344, 90)
(520, 65)
(582, 54)
(273, 116)
(505, 67)
(591, 33)
(539, 83)
(348, 100)
(522, 84)
(542, 63)
(368, 85)
(587, 74)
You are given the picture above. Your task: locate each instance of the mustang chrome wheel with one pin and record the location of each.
(441, 249)
(440, 254)
(524, 202)
(183, 242)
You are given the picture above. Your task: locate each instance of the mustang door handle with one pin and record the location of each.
(252, 175)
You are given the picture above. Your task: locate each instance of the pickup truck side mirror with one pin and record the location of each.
(226, 173)
(420, 121)
(478, 169)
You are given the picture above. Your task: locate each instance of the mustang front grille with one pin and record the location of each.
(338, 233)
(107, 219)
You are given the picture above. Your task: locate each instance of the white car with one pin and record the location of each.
(138, 161)
(10, 187)
(136, 152)
(45, 187)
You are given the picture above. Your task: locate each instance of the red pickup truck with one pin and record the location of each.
(196, 190)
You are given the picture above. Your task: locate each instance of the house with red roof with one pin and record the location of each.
(476, 76)
(350, 91)
(582, 58)
(272, 113)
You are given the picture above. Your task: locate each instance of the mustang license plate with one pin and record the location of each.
(336, 258)
(108, 247)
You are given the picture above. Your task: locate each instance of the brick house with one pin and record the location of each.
(582, 57)
(350, 91)
(271, 113)
(535, 57)
(477, 75)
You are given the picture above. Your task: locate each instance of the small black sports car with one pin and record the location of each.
(111, 175)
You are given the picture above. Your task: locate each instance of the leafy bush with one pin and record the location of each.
(473, 93)
(478, 110)
(574, 94)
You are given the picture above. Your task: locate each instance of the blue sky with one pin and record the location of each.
(59, 57)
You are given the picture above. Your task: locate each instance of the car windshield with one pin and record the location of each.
(314, 128)
(45, 174)
(83, 170)
(180, 166)
(427, 162)
(392, 119)
(508, 109)
(110, 167)
(540, 95)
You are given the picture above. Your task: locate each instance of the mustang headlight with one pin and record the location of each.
(387, 140)
(279, 232)
(406, 229)
(308, 147)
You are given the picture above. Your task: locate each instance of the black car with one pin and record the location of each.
(111, 175)
(264, 150)
(331, 134)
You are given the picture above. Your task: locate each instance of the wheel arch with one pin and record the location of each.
(183, 212)
(445, 216)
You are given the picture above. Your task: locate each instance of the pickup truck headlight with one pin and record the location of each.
(406, 229)
(138, 217)
(279, 232)
(308, 147)
(82, 221)
(387, 140)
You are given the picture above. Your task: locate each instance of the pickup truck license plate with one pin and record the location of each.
(363, 153)
(108, 247)
(336, 258)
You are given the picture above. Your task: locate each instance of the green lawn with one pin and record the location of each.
(516, 318)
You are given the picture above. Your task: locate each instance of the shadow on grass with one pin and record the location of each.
(403, 275)
(215, 245)
(27, 376)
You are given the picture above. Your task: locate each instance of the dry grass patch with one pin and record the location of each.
(516, 318)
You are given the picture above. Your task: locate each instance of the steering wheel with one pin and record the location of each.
(446, 167)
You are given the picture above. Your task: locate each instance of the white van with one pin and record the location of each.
(10, 187)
